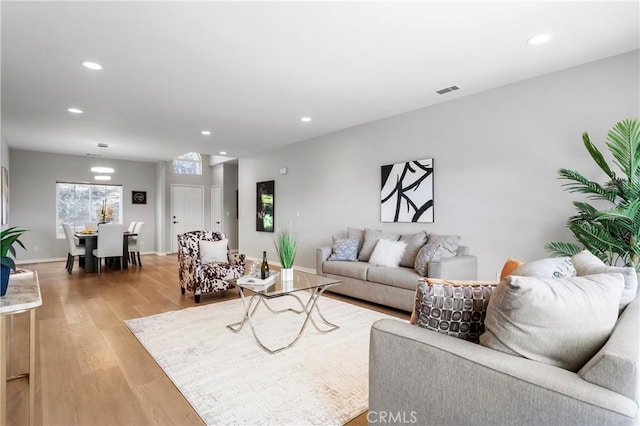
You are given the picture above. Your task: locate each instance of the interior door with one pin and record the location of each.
(216, 209)
(187, 211)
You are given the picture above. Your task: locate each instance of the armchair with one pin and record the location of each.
(200, 277)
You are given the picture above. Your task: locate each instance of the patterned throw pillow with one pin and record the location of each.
(427, 253)
(449, 243)
(556, 267)
(344, 250)
(455, 308)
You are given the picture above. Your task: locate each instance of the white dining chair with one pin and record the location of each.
(132, 226)
(74, 248)
(135, 243)
(110, 243)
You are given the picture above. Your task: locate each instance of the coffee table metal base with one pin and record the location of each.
(308, 308)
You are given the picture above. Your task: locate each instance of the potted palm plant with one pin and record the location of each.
(8, 237)
(286, 245)
(612, 233)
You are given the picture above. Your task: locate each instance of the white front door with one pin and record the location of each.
(216, 209)
(187, 211)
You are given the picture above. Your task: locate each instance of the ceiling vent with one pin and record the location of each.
(106, 145)
(447, 90)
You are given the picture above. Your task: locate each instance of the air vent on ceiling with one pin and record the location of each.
(447, 90)
(93, 155)
(106, 145)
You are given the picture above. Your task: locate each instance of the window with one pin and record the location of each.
(188, 164)
(78, 203)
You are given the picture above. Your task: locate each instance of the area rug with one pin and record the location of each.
(228, 379)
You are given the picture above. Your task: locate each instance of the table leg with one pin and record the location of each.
(90, 261)
(32, 366)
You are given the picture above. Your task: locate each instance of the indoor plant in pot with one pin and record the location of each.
(8, 237)
(286, 246)
(609, 229)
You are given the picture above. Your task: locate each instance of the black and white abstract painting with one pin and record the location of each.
(407, 192)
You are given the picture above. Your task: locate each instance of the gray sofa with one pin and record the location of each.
(394, 287)
(423, 377)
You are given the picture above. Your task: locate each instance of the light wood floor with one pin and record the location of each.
(90, 369)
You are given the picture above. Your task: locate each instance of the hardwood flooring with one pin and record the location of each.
(90, 369)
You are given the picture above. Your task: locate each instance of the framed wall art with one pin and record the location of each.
(138, 197)
(407, 192)
(265, 206)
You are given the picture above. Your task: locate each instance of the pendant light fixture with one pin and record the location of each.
(100, 169)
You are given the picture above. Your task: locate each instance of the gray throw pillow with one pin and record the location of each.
(344, 250)
(356, 234)
(414, 243)
(449, 243)
(371, 237)
(558, 321)
(426, 254)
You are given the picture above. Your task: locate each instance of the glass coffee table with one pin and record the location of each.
(302, 282)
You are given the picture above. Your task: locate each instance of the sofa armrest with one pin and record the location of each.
(432, 378)
(454, 268)
(322, 254)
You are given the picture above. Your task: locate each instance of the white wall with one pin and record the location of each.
(33, 197)
(226, 177)
(496, 156)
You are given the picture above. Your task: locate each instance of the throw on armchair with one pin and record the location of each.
(204, 263)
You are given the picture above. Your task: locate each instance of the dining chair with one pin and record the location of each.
(74, 248)
(110, 243)
(132, 227)
(135, 242)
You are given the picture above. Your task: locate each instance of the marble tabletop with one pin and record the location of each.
(23, 293)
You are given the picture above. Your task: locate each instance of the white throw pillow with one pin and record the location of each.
(556, 267)
(558, 321)
(387, 253)
(214, 251)
(584, 261)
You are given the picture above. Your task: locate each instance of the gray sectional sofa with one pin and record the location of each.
(391, 286)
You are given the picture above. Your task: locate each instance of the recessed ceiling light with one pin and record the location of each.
(305, 119)
(223, 152)
(92, 65)
(101, 169)
(206, 132)
(75, 110)
(539, 39)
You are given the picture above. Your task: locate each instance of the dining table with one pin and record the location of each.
(90, 242)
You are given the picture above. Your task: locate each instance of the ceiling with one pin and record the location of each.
(248, 71)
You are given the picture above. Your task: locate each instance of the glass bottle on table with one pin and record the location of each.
(264, 267)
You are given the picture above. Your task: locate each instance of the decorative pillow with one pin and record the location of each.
(556, 267)
(214, 251)
(356, 234)
(344, 250)
(456, 310)
(371, 237)
(587, 263)
(449, 243)
(509, 266)
(387, 253)
(426, 254)
(414, 243)
(559, 321)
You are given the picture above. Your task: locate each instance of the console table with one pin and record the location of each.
(23, 295)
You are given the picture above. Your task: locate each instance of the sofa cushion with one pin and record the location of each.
(449, 243)
(426, 254)
(344, 250)
(559, 321)
(214, 251)
(588, 264)
(509, 266)
(455, 308)
(387, 253)
(405, 278)
(371, 237)
(414, 244)
(356, 270)
(549, 267)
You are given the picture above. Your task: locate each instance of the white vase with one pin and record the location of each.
(286, 274)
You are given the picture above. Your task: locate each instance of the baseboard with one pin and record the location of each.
(60, 259)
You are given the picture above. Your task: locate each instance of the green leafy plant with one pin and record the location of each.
(612, 233)
(286, 246)
(8, 237)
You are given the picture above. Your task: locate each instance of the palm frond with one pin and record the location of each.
(623, 140)
(583, 185)
(562, 249)
(597, 156)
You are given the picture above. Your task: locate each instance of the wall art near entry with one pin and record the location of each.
(265, 198)
(138, 197)
(407, 192)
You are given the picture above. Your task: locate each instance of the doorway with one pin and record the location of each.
(187, 211)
